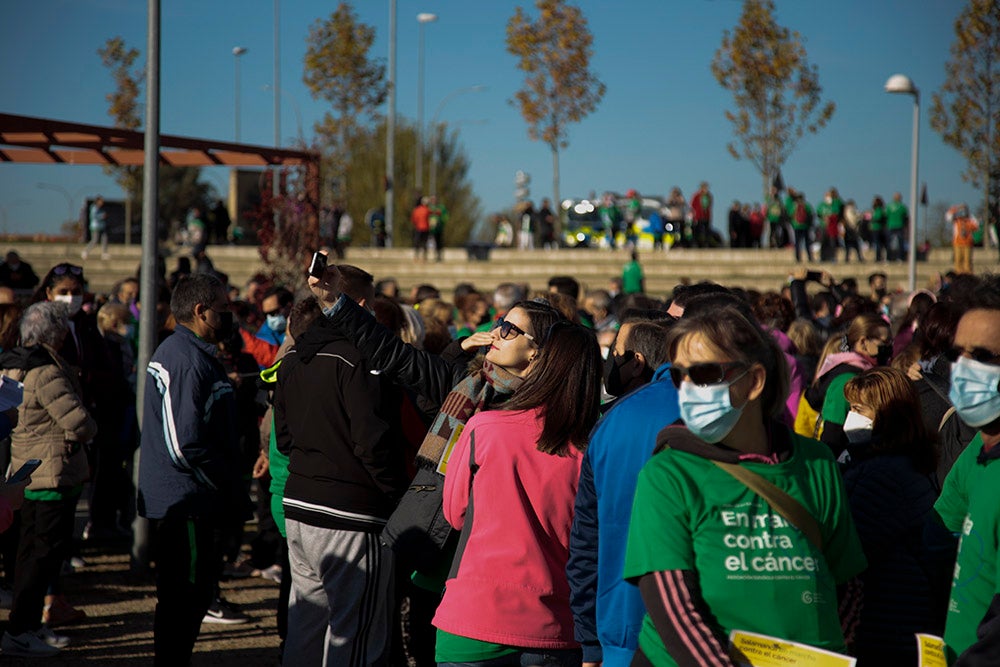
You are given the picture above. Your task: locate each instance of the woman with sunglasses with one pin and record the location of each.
(866, 343)
(889, 473)
(510, 488)
(709, 554)
(450, 388)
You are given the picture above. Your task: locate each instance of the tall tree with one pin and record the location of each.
(338, 69)
(775, 90)
(554, 53)
(966, 111)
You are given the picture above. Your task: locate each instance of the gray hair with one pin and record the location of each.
(506, 295)
(600, 298)
(45, 322)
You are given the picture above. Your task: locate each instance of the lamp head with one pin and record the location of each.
(239, 50)
(900, 83)
(426, 17)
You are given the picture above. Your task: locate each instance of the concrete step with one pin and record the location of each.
(758, 269)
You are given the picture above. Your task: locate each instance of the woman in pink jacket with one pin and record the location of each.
(510, 486)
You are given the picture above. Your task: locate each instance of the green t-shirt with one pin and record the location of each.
(757, 572)
(968, 505)
(895, 215)
(835, 406)
(278, 468)
(58, 493)
(455, 648)
(878, 219)
(632, 278)
(775, 210)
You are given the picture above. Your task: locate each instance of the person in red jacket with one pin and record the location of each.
(701, 211)
(421, 219)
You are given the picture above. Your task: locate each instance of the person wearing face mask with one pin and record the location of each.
(189, 473)
(607, 611)
(703, 546)
(889, 474)
(53, 425)
(276, 305)
(866, 343)
(969, 504)
(17, 273)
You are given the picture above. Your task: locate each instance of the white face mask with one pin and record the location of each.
(73, 301)
(858, 428)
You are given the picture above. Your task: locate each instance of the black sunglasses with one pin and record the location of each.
(704, 374)
(509, 330)
(980, 354)
(63, 269)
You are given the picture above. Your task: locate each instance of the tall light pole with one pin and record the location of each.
(434, 132)
(295, 108)
(275, 186)
(390, 128)
(237, 52)
(418, 177)
(902, 84)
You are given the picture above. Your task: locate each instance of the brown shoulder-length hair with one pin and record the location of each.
(566, 384)
(734, 336)
(897, 428)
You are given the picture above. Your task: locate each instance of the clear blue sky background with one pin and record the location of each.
(660, 124)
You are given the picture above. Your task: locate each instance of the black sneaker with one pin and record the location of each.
(225, 613)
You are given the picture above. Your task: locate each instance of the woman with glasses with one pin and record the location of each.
(450, 388)
(510, 487)
(709, 554)
(889, 474)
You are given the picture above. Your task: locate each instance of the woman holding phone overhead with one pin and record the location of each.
(709, 553)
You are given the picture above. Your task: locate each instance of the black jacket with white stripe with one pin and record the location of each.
(338, 422)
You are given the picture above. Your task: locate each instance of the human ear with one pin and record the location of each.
(758, 378)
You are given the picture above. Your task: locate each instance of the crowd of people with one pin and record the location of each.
(555, 477)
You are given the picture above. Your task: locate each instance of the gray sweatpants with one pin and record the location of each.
(340, 609)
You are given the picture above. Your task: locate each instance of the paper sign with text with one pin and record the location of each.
(749, 649)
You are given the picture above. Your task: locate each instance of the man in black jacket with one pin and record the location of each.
(335, 417)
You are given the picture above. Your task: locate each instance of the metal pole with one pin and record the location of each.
(390, 128)
(236, 95)
(150, 237)
(418, 159)
(913, 192)
(275, 189)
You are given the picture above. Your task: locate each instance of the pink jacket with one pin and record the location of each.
(511, 585)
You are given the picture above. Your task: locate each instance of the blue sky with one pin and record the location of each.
(660, 123)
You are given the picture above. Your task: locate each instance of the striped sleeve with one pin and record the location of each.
(683, 620)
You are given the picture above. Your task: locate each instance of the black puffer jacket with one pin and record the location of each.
(431, 376)
(906, 590)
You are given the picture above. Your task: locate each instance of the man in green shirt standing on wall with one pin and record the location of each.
(633, 282)
(897, 217)
(969, 504)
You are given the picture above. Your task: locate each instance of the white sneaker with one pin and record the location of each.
(26, 645)
(272, 573)
(51, 638)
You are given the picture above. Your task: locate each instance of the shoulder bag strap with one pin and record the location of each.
(945, 417)
(782, 503)
(463, 538)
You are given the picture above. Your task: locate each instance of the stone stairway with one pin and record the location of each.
(758, 269)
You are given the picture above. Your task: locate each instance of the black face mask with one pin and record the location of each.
(225, 328)
(884, 354)
(613, 372)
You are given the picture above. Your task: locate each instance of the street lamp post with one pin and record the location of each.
(434, 132)
(902, 84)
(295, 108)
(237, 52)
(418, 177)
(390, 129)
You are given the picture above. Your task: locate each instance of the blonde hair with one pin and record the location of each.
(110, 315)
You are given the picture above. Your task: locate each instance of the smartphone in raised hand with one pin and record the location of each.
(317, 268)
(24, 472)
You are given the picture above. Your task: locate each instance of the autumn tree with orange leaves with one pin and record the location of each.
(554, 53)
(775, 89)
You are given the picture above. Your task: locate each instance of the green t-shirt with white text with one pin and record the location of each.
(895, 215)
(757, 572)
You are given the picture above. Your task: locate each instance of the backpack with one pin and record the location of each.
(802, 214)
(807, 419)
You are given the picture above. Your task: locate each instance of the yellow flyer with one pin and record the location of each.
(931, 650)
(749, 649)
(446, 454)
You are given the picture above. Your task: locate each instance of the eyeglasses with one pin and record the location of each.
(63, 269)
(510, 331)
(980, 354)
(705, 374)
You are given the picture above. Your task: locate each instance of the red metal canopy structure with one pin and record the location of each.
(26, 139)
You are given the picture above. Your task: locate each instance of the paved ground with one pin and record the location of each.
(119, 627)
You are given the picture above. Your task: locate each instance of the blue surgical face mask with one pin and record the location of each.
(974, 391)
(707, 410)
(277, 323)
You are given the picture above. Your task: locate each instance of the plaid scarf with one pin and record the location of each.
(480, 391)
